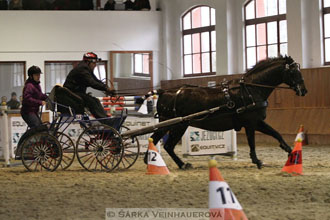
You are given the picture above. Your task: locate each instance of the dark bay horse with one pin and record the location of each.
(243, 101)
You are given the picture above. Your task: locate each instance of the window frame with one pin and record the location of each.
(149, 64)
(24, 73)
(324, 12)
(262, 20)
(199, 31)
(22, 62)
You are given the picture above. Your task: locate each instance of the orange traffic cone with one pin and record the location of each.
(156, 164)
(302, 136)
(294, 163)
(223, 204)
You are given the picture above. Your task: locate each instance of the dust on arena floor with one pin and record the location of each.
(263, 194)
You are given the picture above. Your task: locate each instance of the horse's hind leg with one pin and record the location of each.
(175, 135)
(250, 134)
(267, 129)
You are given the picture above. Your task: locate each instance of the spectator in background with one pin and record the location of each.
(34, 4)
(13, 103)
(129, 5)
(66, 5)
(142, 5)
(3, 5)
(49, 4)
(3, 100)
(86, 5)
(58, 5)
(110, 5)
(15, 5)
(73, 4)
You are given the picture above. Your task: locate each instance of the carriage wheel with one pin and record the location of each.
(131, 150)
(99, 148)
(68, 149)
(41, 151)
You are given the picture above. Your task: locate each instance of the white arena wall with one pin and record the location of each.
(38, 36)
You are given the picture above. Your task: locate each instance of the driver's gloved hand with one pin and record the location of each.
(110, 92)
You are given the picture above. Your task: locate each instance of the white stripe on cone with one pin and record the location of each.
(154, 158)
(221, 196)
(300, 136)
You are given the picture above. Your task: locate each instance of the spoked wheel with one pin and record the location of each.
(131, 150)
(99, 148)
(68, 149)
(41, 151)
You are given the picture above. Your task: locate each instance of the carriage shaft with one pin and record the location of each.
(173, 121)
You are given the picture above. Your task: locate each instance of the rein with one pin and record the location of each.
(266, 86)
(120, 92)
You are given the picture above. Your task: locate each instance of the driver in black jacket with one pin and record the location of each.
(81, 77)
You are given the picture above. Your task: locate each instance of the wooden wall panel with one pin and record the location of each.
(133, 86)
(317, 82)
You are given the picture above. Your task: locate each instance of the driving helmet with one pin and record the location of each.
(91, 57)
(34, 70)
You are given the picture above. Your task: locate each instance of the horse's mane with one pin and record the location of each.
(260, 66)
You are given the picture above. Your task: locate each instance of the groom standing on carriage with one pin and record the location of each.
(81, 77)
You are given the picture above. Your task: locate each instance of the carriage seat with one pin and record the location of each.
(68, 98)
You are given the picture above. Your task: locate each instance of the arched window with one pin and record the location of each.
(199, 41)
(265, 30)
(326, 30)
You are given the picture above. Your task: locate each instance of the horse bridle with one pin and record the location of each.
(243, 89)
(295, 84)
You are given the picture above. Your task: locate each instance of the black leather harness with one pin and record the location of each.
(230, 104)
(252, 104)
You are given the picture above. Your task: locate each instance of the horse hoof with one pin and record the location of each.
(286, 148)
(259, 164)
(186, 166)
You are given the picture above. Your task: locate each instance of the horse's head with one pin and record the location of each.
(293, 77)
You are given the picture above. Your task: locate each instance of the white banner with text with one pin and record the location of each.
(202, 142)
(134, 123)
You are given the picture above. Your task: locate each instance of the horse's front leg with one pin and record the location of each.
(250, 134)
(156, 137)
(267, 129)
(174, 137)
